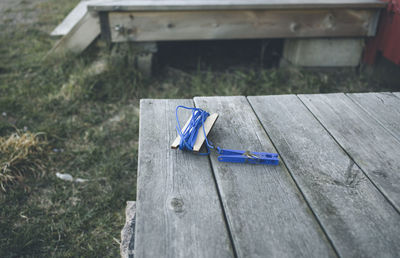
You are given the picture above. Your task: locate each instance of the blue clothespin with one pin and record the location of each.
(239, 156)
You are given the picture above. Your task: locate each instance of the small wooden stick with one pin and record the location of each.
(175, 144)
(208, 124)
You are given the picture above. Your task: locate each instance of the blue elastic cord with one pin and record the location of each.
(189, 135)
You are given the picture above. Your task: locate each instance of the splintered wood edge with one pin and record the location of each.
(208, 124)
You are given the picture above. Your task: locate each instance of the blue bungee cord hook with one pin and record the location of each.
(189, 135)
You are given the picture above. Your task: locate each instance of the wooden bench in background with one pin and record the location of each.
(342, 23)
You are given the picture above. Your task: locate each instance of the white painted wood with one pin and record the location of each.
(370, 145)
(356, 216)
(151, 5)
(266, 213)
(72, 18)
(178, 210)
(80, 36)
(233, 24)
(384, 107)
(75, 16)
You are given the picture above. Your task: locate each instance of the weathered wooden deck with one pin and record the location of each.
(336, 191)
(163, 20)
(166, 20)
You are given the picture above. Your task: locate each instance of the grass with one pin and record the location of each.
(21, 153)
(87, 109)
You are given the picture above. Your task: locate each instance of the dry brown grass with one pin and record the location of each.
(21, 154)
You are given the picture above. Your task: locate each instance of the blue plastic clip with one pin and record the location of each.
(239, 156)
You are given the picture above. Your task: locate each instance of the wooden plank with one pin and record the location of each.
(372, 147)
(168, 5)
(266, 213)
(242, 24)
(355, 215)
(128, 231)
(178, 210)
(80, 36)
(384, 107)
(373, 24)
(75, 16)
(72, 18)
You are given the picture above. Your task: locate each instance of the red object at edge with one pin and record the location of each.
(387, 39)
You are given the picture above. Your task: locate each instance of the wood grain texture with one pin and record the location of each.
(372, 147)
(238, 24)
(80, 36)
(358, 219)
(267, 215)
(178, 210)
(164, 5)
(384, 107)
